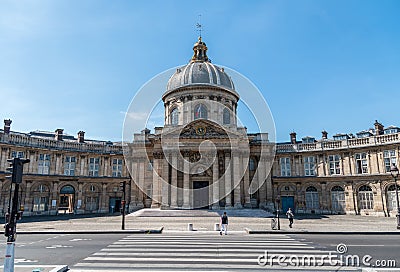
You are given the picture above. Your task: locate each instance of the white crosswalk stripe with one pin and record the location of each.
(208, 252)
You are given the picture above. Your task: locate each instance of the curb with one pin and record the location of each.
(249, 231)
(148, 231)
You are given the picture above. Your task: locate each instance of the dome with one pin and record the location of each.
(200, 71)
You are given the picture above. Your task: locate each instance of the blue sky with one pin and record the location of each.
(321, 65)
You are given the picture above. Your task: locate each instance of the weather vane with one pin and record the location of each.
(199, 26)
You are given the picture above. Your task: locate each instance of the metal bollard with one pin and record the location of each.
(216, 227)
(190, 227)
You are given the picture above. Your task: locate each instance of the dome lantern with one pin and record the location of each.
(200, 52)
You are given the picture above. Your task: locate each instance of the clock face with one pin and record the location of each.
(200, 130)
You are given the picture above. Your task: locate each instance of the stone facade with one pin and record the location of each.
(201, 158)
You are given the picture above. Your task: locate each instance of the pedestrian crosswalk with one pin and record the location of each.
(209, 252)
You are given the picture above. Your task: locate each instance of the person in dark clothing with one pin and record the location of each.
(290, 216)
(224, 224)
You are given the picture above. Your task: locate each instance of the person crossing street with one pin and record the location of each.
(224, 224)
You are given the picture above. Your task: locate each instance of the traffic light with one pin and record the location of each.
(16, 169)
(122, 186)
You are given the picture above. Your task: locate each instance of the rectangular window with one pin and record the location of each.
(17, 154)
(389, 156)
(361, 163)
(309, 166)
(334, 164)
(94, 165)
(44, 164)
(117, 168)
(285, 167)
(40, 204)
(92, 203)
(69, 166)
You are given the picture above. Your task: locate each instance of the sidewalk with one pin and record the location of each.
(146, 220)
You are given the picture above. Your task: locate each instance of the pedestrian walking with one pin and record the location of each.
(290, 216)
(224, 224)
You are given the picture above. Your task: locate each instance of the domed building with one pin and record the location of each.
(200, 157)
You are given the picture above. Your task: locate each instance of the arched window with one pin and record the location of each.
(226, 117)
(174, 116)
(365, 198)
(312, 198)
(200, 112)
(391, 197)
(338, 200)
(68, 189)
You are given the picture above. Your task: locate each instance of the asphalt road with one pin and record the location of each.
(57, 249)
(380, 247)
(70, 249)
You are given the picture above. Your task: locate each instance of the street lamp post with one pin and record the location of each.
(395, 173)
(278, 200)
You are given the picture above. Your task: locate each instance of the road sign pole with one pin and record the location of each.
(9, 257)
(15, 214)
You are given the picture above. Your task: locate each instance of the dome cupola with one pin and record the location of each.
(200, 72)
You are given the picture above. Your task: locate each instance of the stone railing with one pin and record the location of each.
(340, 144)
(24, 140)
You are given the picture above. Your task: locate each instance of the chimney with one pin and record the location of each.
(324, 135)
(378, 128)
(7, 126)
(293, 137)
(81, 137)
(59, 134)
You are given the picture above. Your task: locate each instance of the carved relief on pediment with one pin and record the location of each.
(203, 130)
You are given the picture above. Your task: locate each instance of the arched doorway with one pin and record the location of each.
(365, 198)
(67, 198)
(338, 199)
(312, 199)
(391, 197)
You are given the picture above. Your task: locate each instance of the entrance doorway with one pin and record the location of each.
(67, 198)
(115, 204)
(200, 195)
(287, 202)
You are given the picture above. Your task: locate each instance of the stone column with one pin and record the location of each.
(246, 182)
(104, 203)
(269, 188)
(228, 180)
(80, 209)
(54, 196)
(107, 171)
(261, 176)
(58, 166)
(31, 167)
(164, 184)
(141, 173)
(157, 164)
(174, 181)
(237, 180)
(215, 185)
(28, 202)
(82, 171)
(323, 199)
(186, 189)
(2, 159)
(134, 189)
